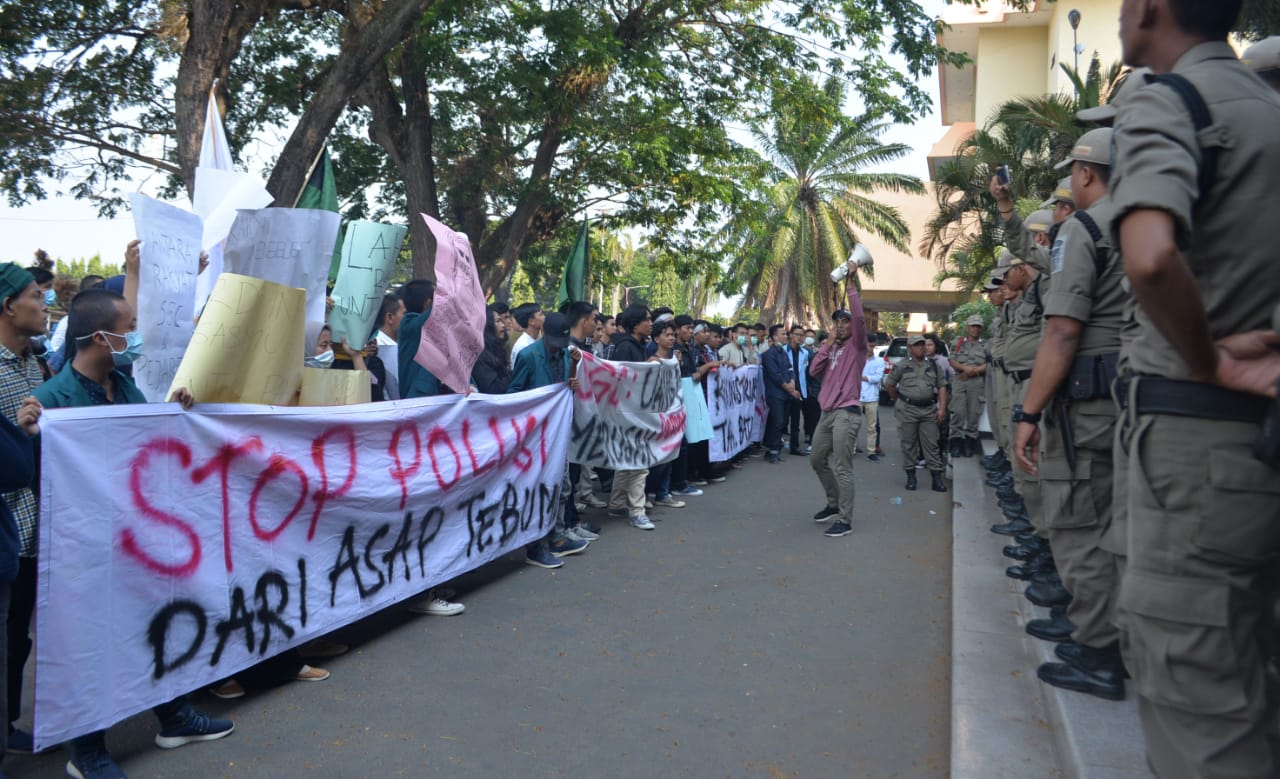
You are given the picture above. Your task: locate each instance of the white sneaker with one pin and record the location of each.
(436, 607)
(648, 503)
(581, 534)
(671, 502)
(596, 503)
(642, 522)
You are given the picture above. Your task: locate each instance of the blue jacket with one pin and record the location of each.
(415, 380)
(65, 390)
(777, 371)
(534, 368)
(802, 381)
(17, 470)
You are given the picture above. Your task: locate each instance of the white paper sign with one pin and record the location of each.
(288, 246)
(170, 255)
(219, 194)
(735, 402)
(177, 548)
(626, 415)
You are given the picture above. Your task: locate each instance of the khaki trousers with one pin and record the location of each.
(1004, 407)
(628, 491)
(834, 442)
(871, 419)
(965, 405)
(1197, 596)
(1077, 515)
(918, 429)
(1028, 486)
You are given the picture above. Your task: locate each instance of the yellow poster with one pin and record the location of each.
(330, 387)
(247, 346)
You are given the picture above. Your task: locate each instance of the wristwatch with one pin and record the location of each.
(1022, 416)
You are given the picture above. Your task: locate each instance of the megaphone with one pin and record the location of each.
(859, 257)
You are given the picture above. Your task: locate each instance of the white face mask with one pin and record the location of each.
(808, 341)
(322, 360)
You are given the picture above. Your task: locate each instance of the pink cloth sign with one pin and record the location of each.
(453, 336)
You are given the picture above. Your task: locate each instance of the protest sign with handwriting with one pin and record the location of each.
(287, 246)
(736, 405)
(626, 415)
(453, 336)
(369, 255)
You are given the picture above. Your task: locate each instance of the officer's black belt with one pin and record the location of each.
(999, 362)
(1194, 399)
(920, 403)
(1019, 375)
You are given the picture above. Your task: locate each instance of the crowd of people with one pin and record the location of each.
(1133, 367)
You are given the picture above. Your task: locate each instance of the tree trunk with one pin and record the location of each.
(361, 53)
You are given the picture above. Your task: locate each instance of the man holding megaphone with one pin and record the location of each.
(838, 364)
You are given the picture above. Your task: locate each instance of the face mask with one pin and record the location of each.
(322, 360)
(132, 348)
(742, 340)
(754, 341)
(808, 341)
(50, 297)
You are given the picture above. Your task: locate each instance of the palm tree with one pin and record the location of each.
(1030, 135)
(812, 206)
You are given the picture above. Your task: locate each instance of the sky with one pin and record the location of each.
(69, 229)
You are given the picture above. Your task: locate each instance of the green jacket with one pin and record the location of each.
(65, 391)
(534, 368)
(415, 380)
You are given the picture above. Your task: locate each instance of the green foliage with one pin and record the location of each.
(813, 201)
(955, 325)
(893, 322)
(93, 266)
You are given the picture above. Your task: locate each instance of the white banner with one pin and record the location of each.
(170, 254)
(292, 247)
(626, 415)
(735, 401)
(177, 548)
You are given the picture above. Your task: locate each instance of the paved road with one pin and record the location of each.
(734, 641)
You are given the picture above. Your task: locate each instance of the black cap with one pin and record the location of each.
(842, 313)
(555, 331)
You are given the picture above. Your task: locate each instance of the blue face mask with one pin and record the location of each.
(50, 297)
(132, 348)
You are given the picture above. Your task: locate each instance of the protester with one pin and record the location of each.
(800, 407)
(779, 391)
(103, 335)
(17, 472)
(388, 328)
(529, 319)
(415, 380)
(838, 364)
(627, 497)
(734, 350)
(491, 374)
(605, 328)
(872, 376)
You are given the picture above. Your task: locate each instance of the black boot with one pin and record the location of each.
(911, 479)
(1048, 595)
(1032, 568)
(938, 484)
(966, 447)
(1070, 652)
(1012, 527)
(1055, 629)
(1025, 551)
(1096, 672)
(955, 447)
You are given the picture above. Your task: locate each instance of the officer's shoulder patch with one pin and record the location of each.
(1055, 256)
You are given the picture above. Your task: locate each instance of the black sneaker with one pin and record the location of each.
(873, 457)
(837, 529)
(825, 514)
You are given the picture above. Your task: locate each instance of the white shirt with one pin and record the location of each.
(873, 374)
(524, 340)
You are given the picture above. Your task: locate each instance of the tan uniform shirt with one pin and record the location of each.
(918, 381)
(971, 352)
(1022, 243)
(1079, 292)
(999, 331)
(1231, 253)
(1024, 335)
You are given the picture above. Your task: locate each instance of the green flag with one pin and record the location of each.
(321, 192)
(573, 282)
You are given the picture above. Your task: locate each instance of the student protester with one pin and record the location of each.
(627, 496)
(583, 324)
(491, 374)
(103, 336)
(17, 472)
(760, 339)
(872, 376)
(706, 342)
(685, 354)
(801, 408)
(541, 365)
(415, 380)
(605, 328)
(734, 350)
(388, 328)
(529, 319)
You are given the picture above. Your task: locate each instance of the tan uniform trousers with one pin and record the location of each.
(965, 406)
(1196, 599)
(1028, 486)
(1077, 515)
(834, 442)
(628, 491)
(1000, 424)
(918, 429)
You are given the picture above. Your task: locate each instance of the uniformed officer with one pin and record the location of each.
(919, 392)
(1069, 398)
(968, 389)
(1191, 203)
(1031, 239)
(994, 290)
(1263, 58)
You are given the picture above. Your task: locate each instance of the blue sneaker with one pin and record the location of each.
(196, 727)
(567, 545)
(687, 490)
(541, 557)
(96, 764)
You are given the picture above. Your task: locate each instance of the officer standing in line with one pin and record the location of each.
(968, 389)
(919, 392)
(1031, 239)
(1192, 190)
(994, 290)
(1071, 389)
